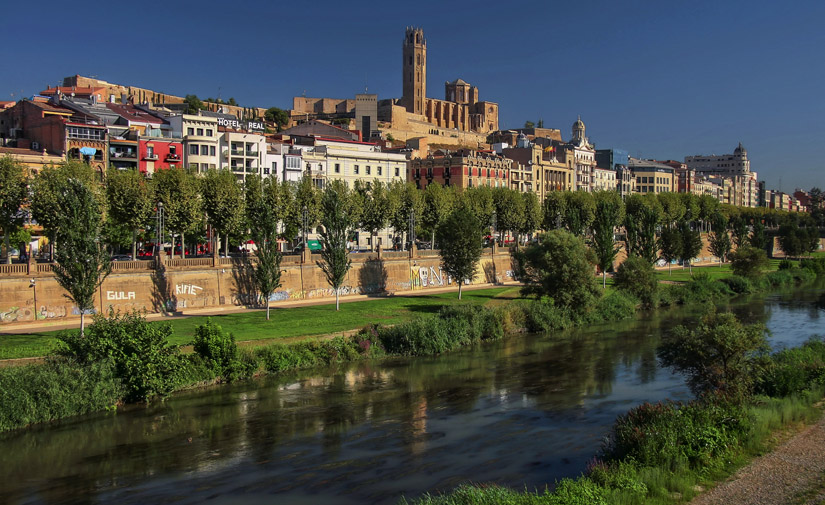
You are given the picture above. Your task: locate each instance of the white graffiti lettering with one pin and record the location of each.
(187, 289)
(120, 295)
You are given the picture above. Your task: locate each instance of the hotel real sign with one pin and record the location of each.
(253, 126)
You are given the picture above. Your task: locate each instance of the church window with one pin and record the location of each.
(418, 59)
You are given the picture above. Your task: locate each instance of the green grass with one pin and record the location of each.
(716, 271)
(285, 323)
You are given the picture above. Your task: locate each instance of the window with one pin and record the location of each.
(355, 169)
(274, 167)
(193, 149)
(200, 132)
(396, 171)
(379, 170)
(337, 168)
(193, 166)
(209, 132)
(368, 170)
(190, 131)
(211, 150)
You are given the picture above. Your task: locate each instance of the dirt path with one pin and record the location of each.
(779, 478)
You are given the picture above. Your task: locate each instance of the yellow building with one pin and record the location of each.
(652, 177)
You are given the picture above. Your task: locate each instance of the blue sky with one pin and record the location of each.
(660, 79)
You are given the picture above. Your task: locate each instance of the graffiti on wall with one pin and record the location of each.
(422, 277)
(120, 295)
(16, 314)
(187, 289)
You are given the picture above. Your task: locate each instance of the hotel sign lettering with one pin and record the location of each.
(241, 125)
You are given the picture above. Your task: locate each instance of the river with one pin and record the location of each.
(522, 412)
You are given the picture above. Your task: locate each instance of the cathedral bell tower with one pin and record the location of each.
(414, 73)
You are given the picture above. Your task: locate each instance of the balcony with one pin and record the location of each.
(150, 156)
(123, 155)
(173, 157)
(253, 154)
(235, 152)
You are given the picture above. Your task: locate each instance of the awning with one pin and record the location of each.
(88, 151)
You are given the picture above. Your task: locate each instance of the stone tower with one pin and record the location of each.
(414, 71)
(578, 132)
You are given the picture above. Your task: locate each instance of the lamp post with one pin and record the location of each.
(159, 228)
(411, 233)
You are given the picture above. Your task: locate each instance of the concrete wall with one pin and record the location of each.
(176, 289)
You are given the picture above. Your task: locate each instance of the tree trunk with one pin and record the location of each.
(134, 244)
(8, 247)
(432, 239)
(226, 245)
(690, 267)
(337, 290)
(82, 322)
(668, 268)
(459, 289)
(267, 308)
(182, 246)
(604, 279)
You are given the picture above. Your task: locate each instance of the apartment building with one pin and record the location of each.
(201, 140)
(651, 176)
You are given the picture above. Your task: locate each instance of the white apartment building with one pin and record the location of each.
(327, 158)
(604, 179)
(283, 161)
(736, 168)
(242, 152)
(201, 140)
(584, 157)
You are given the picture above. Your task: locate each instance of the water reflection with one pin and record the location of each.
(522, 412)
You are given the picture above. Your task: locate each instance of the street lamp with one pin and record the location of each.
(159, 228)
(305, 215)
(411, 233)
(493, 226)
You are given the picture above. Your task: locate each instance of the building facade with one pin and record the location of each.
(651, 176)
(736, 168)
(465, 168)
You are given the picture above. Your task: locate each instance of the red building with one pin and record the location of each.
(159, 153)
(464, 168)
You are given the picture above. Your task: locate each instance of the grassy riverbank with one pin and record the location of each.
(285, 323)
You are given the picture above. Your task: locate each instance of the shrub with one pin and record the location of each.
(581, 491)
(560, 267)
(671, 434)
(543, 315)
(58, 388)
(739, 285)
(815, 265)
(786, 265)
(618, 475)
(614, 306)
(482, 322)
(717, 355)
(636, 276)
(140, 352)
(748, 261)
(218, 350)
(794, 370)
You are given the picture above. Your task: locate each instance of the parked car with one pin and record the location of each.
(122, 257)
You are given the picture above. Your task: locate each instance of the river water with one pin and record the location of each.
(522, 413)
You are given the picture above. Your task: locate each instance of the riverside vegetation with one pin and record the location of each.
(654, 452)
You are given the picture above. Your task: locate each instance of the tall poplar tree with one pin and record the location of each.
(459, 239)
(179, 191)
(13, 195)
(608, 216)
(81, 261)
(335, 228)
(223, 201)
(264, 208)
(129, 200)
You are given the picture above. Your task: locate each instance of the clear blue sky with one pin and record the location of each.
(659, 79)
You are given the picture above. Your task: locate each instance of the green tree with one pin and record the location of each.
(609, 215)
(459, 239)
(307, 200)
(47, 186)
(642, 217)
(376, 213)
(336, 225)
(691, 243)
(179, 191)
(509, 210)
(692, 205)
(193, 104)
(636, 276)
(670, 244)
(232, 102)
(81, 261)
(797, 240)
(129, 200)
(708, 208)
(579, 212)
(739, 229)
(816, 206)
(479, 199)
(532, 213)
(720, 243)
(673, 208)
(758, 238)
(560, 267)
(721, 354)
(529, 124)
(748, 261)
(438, 202)
(264, 211)
(553, 209)
(13, 195)
(223, 202)
(409, 204)
(277, 116)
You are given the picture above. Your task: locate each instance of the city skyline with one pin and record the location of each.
(661, 82)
